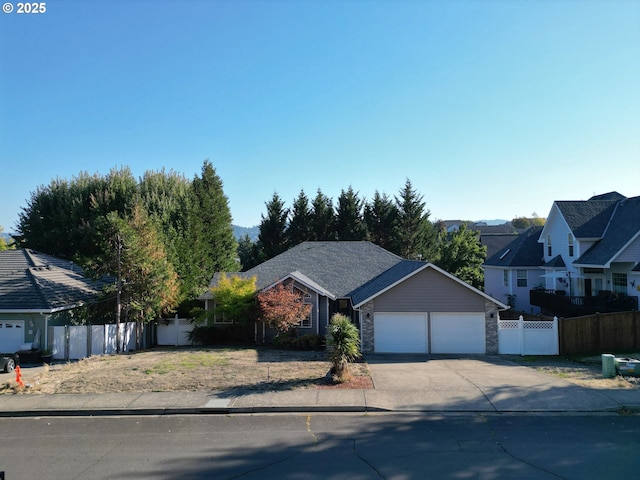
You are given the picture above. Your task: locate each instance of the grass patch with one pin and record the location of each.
(187, 363)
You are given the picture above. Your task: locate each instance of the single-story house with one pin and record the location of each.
(399, 305)
(38, 291)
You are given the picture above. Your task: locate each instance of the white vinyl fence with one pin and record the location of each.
(75, 342)
(174, 331)
(519, 337)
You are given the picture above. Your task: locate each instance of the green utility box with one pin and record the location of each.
(628, 366)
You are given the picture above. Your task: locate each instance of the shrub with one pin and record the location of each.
(209, 335)
(310, 341)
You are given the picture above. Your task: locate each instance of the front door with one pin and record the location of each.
(587, 287)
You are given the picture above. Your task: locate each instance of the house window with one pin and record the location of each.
(306, 322)
(619, 282)
(521, 278)
(570, 245)
(220, 318)
(505, 278)
(549, 249)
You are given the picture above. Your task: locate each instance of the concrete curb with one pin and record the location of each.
(163, 411)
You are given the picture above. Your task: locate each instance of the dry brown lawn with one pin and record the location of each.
(191, 369)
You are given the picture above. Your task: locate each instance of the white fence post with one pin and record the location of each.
(176, 323)
(556, 335)
(521, 334)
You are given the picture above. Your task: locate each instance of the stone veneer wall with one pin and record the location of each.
(491, 327)
(366, 324)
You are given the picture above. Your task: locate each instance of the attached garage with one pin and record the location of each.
(458, 332)
(416, 307)
(11, 335)
(400, 333)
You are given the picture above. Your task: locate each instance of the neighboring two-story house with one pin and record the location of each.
(591, 252)
(585, 259)
(514, 270)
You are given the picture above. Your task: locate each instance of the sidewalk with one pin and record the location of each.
(475, 392)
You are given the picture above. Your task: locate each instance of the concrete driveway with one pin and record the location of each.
(474, 383)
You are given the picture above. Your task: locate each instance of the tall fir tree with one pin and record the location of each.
(299, 229)
(416, 236)
(273, 237)
(323, 222)
(249, 253)
(349, 222)
(209, 245)
(381, 218)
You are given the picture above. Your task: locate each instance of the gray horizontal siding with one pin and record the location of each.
(429, 291)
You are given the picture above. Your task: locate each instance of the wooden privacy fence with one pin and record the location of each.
(606, 332)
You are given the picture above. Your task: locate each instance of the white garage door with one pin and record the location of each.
(400, 332)
(457, 333)
(11, 335)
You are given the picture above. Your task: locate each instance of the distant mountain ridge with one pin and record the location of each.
(240, 232)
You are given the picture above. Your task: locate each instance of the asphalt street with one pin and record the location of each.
(323, 446)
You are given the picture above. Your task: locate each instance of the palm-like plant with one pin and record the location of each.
(345, 340)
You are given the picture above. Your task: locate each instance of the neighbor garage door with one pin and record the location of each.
(457, 333)
(400, 332)
(11, 335)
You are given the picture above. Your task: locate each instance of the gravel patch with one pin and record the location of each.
(585, 371)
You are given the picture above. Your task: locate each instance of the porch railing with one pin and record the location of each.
(555, 302)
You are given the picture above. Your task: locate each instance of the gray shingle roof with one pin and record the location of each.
(30, 280)
(555, 262)
(338, 267)
(589, 218)
(496, 242)
(523, 251)
(385, 280)
(623, 226)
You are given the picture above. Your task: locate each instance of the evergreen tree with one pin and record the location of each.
(462, 255)
(299, 229)
(272, 237)
(416, 235)
(323, 223)
(249, 253)
(210, 245)
(66, 218)
(349, 222)
(381, 218)
(165, 197)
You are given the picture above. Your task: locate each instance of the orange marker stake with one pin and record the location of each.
(19, 377)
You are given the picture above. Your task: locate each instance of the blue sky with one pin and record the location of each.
(493, 109)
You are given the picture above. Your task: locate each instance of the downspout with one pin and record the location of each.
(317, 313)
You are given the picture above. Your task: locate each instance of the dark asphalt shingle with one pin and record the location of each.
(524, 251)
(339, 267)
(30, 280)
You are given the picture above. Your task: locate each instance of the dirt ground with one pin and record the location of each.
(585, 371)
(194, 369)
(190, 369)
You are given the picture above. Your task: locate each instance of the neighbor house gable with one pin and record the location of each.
(620, 236)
